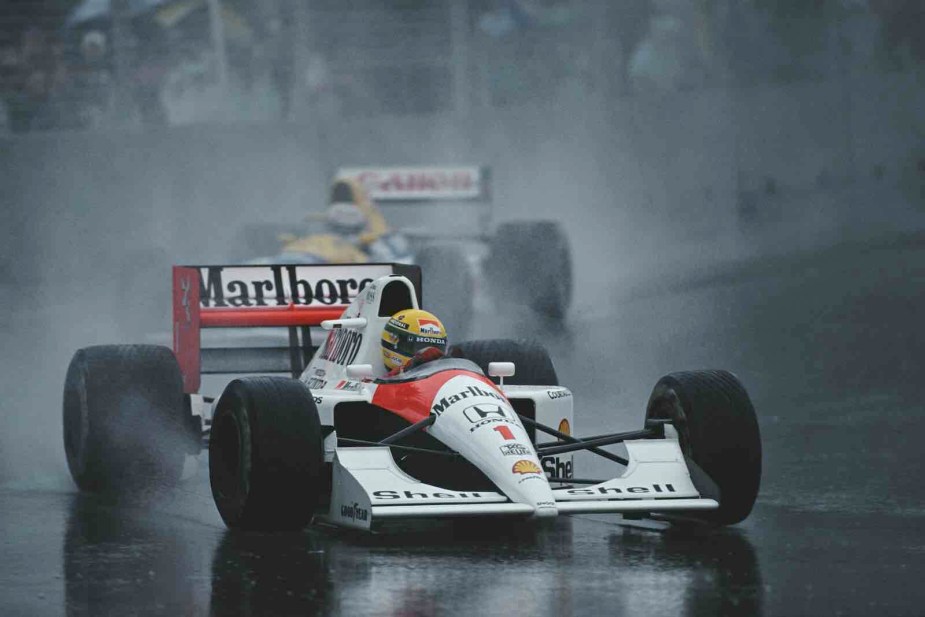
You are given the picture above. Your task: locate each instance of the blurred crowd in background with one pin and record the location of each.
(70, 64)
(90, 64)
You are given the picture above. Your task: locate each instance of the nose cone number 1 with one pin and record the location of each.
(505, 432)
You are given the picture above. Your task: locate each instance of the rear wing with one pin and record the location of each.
(291, 296)
(429, 186)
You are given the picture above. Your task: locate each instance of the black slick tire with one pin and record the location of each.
(718, 430)
(260, 240)
(533, 367)
(532, 260)
(266, 454)
(124, 417)
(448, 286)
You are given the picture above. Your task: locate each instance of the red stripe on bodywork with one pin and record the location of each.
(291, 315)
(186, 325)
(412, 400)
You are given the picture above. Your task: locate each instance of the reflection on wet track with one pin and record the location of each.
(118, 558)
(134, 558)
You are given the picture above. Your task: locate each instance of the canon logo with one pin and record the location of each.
(418, 181)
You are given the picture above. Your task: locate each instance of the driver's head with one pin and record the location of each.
(345, 218)
(345, 214)
(407, 333)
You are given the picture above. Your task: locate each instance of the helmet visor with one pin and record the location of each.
(408, 343)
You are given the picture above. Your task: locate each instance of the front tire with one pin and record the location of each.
(124, 417)
(266, 454)
(718, 430)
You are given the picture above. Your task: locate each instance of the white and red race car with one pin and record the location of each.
(340, 441)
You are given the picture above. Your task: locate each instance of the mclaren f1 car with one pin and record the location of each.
(484, 431)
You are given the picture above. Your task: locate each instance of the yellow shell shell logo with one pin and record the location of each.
(523, 467)
(564, 427)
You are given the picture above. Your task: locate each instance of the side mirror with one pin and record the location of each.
(501, 369)
(360, 372)
(355, 323)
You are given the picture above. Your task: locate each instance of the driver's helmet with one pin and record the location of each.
(345, 218)
(408, 332)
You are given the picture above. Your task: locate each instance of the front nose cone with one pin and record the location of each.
(481, 425)
(527, 483)
(530, 486)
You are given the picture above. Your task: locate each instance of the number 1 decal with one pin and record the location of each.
(505, 432)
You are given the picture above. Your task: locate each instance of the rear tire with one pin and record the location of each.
(260, 240)
(125, 423)
(533, 367)
(449, 285)
(266, 454)
(533, 261)
(718, 430)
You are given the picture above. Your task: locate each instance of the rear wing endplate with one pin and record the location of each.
(291, 296)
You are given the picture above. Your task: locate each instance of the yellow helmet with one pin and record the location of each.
(408, 332)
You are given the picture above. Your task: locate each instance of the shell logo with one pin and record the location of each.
(524, 467)
(564, 427)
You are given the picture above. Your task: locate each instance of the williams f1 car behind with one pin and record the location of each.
(439, 218)
(483, 431)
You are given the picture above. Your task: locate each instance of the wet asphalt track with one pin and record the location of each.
(831, 348)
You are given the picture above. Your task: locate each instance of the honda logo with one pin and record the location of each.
(483, 411)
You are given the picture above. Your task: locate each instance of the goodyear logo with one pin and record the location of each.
(524, 467)
(354, 512)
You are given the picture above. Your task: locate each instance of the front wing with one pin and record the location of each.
(368, 487)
